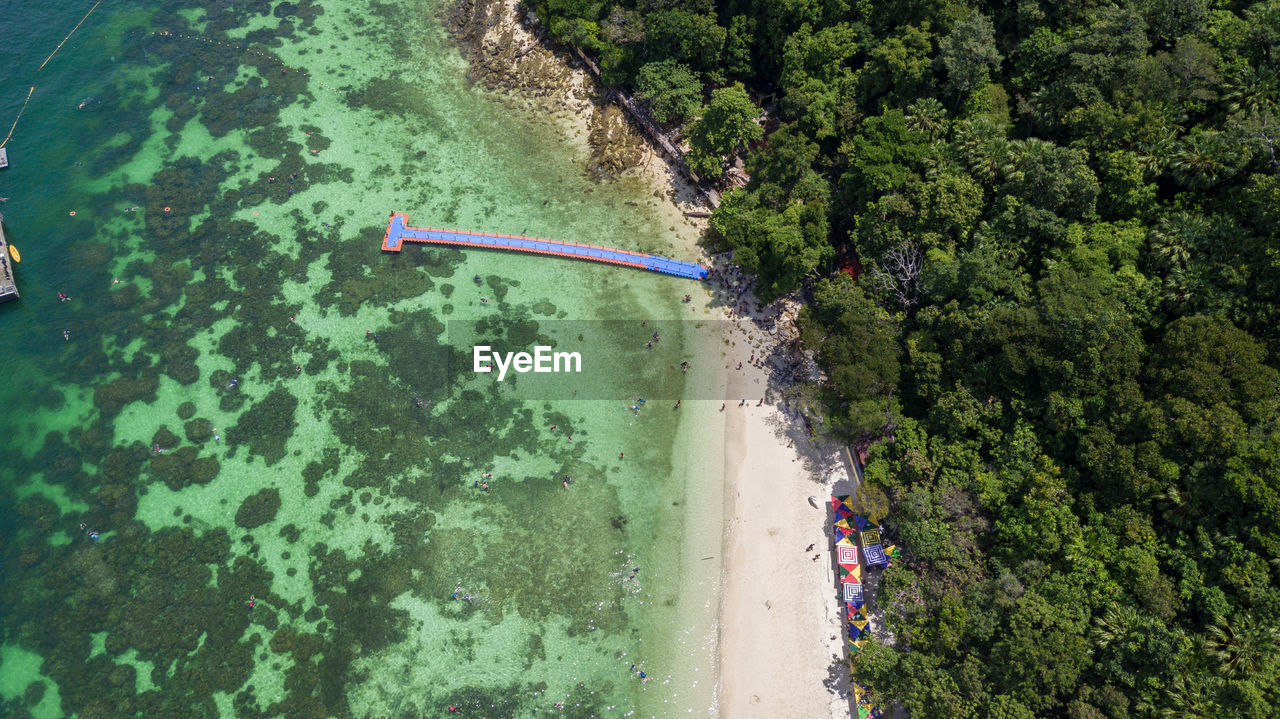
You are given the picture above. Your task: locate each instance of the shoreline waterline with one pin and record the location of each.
(223, 401)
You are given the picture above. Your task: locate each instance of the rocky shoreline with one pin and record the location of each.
(508, 53)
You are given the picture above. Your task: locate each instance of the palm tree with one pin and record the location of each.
(1193, 696)
(1202, 160)
(1171, 254)
(1175, 508)
(1153, 154)
(1178, 294)
(1173, 238)
(1253, 89)
(1114, 626)
(927, 116)
(1240, 647)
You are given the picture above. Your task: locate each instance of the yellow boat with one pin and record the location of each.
(13, 252)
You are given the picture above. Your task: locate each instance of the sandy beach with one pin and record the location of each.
(779, 643)
(781, 652)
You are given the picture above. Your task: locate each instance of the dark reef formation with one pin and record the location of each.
(177, 597)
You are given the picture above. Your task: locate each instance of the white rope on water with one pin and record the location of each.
(14, 126)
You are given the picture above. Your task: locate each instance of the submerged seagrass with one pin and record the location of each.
(284, 502)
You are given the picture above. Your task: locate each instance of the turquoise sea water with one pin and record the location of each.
(218, 415)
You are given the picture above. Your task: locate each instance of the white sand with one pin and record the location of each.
(780, 634)
(780, 623)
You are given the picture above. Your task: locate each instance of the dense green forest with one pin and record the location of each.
(1062, 345)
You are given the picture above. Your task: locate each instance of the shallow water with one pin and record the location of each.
(220, 417)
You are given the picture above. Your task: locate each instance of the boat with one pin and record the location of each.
(13, 252)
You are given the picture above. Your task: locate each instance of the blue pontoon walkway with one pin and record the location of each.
(399, 232)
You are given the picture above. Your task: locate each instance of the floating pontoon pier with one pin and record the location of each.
(8, 286)
(399, 232)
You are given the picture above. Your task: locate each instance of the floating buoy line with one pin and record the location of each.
(165, 33)
(46, 62)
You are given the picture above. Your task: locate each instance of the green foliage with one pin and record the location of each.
(728, 121)
(899, 65)
(816, 77)
(691, 38)
(969, 53)
(855, 341)
(1062, 350)
(672, 91)
(881, 157)
(782, 247)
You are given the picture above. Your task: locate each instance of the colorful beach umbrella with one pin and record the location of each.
(875, 555)
(846, 553)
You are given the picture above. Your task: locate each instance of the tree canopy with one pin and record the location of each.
(727, 122)
(1062, 349)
